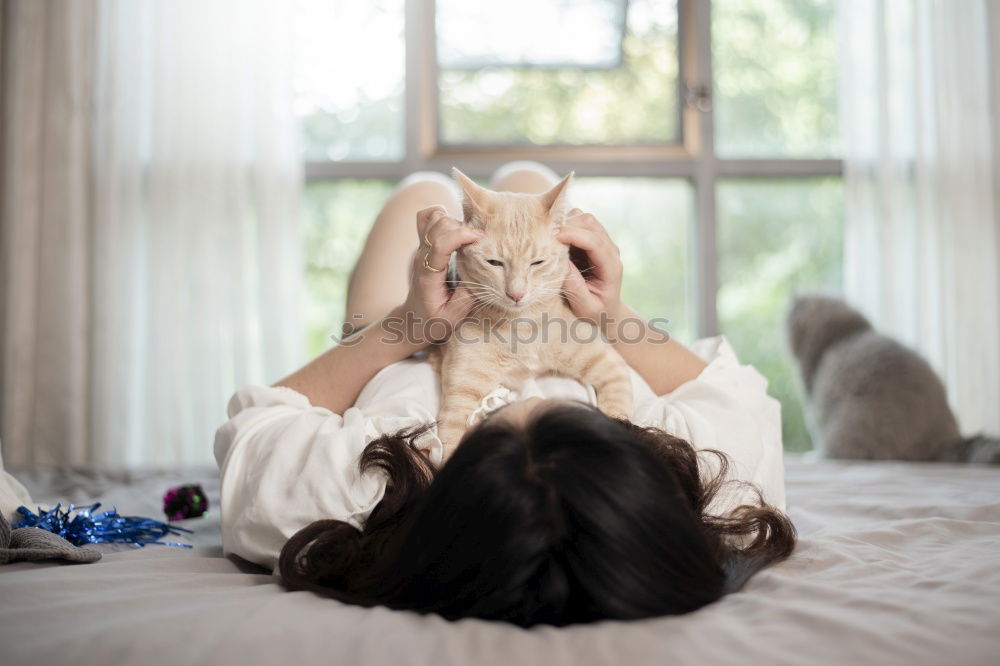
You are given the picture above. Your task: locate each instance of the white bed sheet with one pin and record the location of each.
(897, 564)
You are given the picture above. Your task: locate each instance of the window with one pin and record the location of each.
(703, 134)
(521, 82)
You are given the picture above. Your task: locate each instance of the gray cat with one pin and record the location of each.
(869, 396)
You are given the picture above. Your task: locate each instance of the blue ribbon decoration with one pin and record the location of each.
(105, 527)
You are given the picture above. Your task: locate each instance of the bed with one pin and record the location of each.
(897, 564)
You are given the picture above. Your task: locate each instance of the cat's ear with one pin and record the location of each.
(475, 199)
(554, 201)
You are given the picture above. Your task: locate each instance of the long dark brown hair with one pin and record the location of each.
(573, 517)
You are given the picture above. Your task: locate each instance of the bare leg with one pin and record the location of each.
(381, 277)
(526, 177)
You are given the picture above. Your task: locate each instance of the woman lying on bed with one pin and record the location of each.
(548, 511)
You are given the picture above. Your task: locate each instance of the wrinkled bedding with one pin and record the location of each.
(897, 564)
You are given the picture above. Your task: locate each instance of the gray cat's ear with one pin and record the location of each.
(554, 200)
(475, 199)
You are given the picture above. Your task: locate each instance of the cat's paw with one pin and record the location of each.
(616, 409)
(450, 438)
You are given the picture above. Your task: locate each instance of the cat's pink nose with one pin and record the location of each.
(515, 296)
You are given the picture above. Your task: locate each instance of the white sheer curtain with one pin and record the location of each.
(150, 248)
(923, 214)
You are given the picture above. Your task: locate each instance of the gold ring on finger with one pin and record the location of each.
(428, 266)
(427, 241)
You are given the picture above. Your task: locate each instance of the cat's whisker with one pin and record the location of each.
(464, 298)
(486, 298)
(476, 308)
(469, 282)
(544, 293)
(570, 296)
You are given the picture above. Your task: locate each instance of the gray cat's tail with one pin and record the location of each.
(980, 449)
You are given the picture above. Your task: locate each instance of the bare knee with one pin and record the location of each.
(427, 185)
(423, 189)
(523, 176)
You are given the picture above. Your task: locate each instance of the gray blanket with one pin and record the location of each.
(898, 564)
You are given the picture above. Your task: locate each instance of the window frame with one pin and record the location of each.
(694, 158)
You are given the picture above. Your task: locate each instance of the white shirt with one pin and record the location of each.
(285, 463)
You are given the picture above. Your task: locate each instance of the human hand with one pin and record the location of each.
(430, 305)
(595, 293)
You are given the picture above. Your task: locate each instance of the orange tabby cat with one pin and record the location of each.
(515, 273)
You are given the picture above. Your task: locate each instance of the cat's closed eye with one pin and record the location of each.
(494, 262)
(538, 262)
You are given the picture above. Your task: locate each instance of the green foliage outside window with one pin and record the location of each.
(776, 238)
